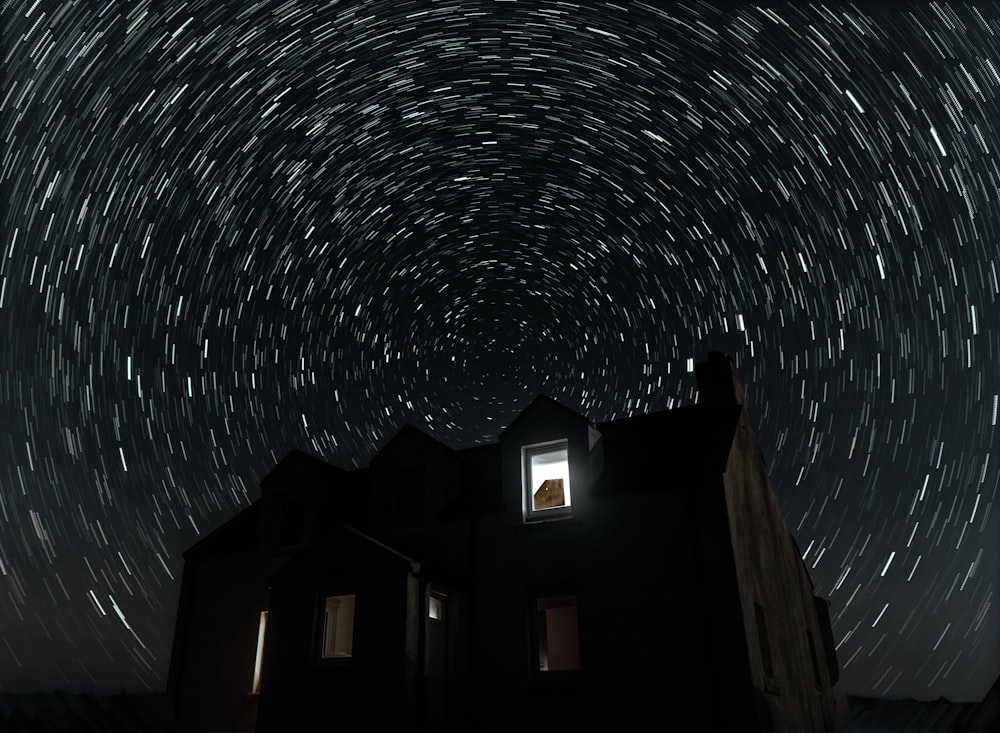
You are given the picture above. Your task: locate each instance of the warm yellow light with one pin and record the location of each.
(260, 653)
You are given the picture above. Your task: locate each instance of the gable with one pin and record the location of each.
(299, 469)
(410, 445)
(543, 411)
(342, 551)
(238, 534)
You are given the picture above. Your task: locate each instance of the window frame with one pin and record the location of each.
(815, 660)
(442, 607)
(320, 626)
(766, 653)
(528, 513)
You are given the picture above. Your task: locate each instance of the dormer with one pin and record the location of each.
(548, 455)
(291, 495)
(412, 477)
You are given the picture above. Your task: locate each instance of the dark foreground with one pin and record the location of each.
(59, 711)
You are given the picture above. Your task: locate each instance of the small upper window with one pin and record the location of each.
(546, 480)
(338, 627)
(435, 607)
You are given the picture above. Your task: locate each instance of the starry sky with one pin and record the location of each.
(233, 228)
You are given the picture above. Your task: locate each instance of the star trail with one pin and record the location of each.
(231, 229)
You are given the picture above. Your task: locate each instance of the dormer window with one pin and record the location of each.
(546, 486)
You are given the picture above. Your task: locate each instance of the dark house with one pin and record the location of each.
(618, 573)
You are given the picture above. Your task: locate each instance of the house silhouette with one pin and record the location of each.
(631, 572)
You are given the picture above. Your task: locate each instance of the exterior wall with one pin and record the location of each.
(733, 705)
(642, 615)
(632, 562)
(771, 574)
(298, 689)
(430, 469)
(215, 674)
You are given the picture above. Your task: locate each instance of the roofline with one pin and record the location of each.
(218, 530)
(540, 396)
(414, 565)
(383, 444)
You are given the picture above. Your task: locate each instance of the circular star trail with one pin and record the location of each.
(233, 229)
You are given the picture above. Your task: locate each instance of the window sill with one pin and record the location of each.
(334, 662)
(547, 516)
(541, 525)
(558, 674)
(557, 679)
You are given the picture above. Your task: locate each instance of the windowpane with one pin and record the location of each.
(815, 662)
(338, 626)
(435, 608)
(546, 477)
(765, 646)
(770, 682)
(558, 634)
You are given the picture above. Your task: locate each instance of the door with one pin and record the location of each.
(445, 653)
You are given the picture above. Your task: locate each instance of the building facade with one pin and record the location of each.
(623, 572)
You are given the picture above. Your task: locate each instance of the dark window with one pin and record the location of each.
(770, 683)
(291, 522)
(815, 662)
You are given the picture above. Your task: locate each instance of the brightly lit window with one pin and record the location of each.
(338, 627)
(546, 480)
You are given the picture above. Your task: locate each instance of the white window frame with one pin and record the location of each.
(326, 626)
(530, 514)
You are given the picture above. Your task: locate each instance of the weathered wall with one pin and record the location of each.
(771, 574)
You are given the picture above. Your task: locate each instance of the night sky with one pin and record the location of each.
(231, 229)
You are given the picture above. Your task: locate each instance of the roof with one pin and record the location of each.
(292, 570)
(405, 441)
(542, 403)
(238, 534)
(300, 467)
(690, 442)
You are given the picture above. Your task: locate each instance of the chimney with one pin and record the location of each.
(718, 383)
